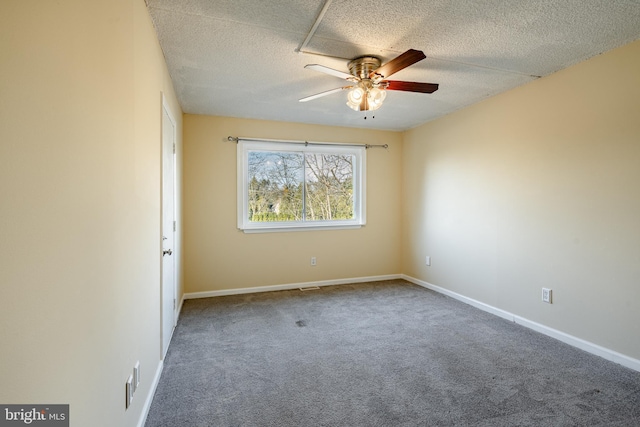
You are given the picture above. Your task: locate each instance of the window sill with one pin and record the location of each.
(287, 229)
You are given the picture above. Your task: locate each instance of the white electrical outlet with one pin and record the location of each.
(546, 295)
(427, 260)
(128, 390)
(313, 261)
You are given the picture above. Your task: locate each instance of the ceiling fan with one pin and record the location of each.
(369, 80)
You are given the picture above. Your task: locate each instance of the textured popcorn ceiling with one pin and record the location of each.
(240, 58)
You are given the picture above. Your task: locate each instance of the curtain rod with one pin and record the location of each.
(306, 143)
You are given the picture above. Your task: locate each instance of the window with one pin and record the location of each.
(297, 186)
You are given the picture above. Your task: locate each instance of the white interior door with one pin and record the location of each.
(168, 228)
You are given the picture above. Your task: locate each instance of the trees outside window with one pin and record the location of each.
(288, 186)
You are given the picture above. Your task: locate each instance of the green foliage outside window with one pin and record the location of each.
(292, 186)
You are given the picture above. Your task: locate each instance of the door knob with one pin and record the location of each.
(167, 252)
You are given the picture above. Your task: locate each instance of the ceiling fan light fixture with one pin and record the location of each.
(369, 82)
(365, 98)
(356, 94)
(376, 97)
(354, 98)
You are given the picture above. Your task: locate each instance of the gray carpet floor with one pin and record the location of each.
(378, 354)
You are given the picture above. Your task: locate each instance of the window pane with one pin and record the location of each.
(275, 186)
(284, 186)
(329, 186)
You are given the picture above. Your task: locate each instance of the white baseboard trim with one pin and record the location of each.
(156, 379)
(587, 346)
(152, 392)
(239, 291)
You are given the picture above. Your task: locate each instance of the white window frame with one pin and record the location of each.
(359, 193)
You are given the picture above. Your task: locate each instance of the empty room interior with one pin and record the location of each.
(489, 155)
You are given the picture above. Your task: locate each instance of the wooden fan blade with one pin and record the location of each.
(411, 86)
(325, 93)
(398, 63)
(330, 71)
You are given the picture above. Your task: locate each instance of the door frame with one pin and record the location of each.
(175, 256)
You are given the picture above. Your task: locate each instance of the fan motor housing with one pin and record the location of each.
(362, 66)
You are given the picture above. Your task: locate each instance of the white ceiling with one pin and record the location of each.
(240, 58)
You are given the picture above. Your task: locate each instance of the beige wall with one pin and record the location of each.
(537, 187)
(218, 256)
(80, 160)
